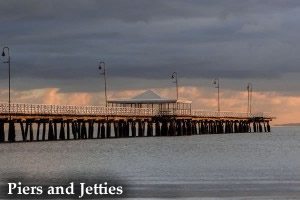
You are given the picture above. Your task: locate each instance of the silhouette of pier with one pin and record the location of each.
(39, 122)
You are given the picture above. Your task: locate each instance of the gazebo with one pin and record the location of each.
(150, 99)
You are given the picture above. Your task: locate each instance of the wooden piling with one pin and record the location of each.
(102, 131)
(157, 129)
(2, 132)
(44, 131)
(62, 131)
(38, 131)
(68, 130)
(11, 132)
(50, 131)
(22, 131)
(108, 129)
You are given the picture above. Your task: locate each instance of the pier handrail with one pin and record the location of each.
(48, 109)
(230, 114)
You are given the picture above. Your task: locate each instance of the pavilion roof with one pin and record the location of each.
(147, 97)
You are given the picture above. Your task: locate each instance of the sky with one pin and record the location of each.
(55, 47)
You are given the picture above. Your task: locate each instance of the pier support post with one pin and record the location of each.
(98, 130)
(232, 126)
(210, 129)
(26, 130)
(91, 130)
(83, 131)
(197, 129)
(188, 127)
(55, 130)
(22, 131)
(268, 127)
(140, 129)
(172, 128)
(74, 130)
(50, 132)
(108, 129)
(164, 128)
(202, 128)
(184, 129)
(127, 129)
(146, 126)
(116, 126)
(194, 127)
(78, 129)
(62, 131)
(240, 128)
(227, 127)
(44, 131)
(254, 127)
(78, 125)
(265, 128)
(38, 131)
(236, 128)
(150, 129)
(206, 127)
(260, 127)
(2, 132)
(178, 128)
(31, 131)
(121, 128)
(68, 130)
(157, 129)
(133, 129)
(102, 131)
(11, 132)
(222, 127)
(143, 128)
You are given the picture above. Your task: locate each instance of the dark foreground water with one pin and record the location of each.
(231, 166)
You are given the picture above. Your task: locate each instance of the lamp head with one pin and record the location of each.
(174, 75)
(3, 53)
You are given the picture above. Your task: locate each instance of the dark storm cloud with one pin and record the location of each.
(57, 43)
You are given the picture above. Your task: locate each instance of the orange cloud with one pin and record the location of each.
(285, 108)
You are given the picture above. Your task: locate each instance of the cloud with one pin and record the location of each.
(284, 108)
(56, 46)
(48, 96)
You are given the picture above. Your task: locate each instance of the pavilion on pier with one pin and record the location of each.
(149, 99)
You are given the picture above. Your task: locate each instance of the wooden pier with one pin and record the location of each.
(37, 122)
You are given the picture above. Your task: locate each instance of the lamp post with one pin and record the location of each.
(174, 76)
(217, 84)
(249, 89)
(7, 61)
(103, 72)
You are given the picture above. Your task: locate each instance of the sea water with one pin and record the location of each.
(220, 166)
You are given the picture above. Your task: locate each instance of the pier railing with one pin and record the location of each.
(45, 109)
(71, 110)
(229, 114)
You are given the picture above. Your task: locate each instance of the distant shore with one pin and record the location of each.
(288, 124)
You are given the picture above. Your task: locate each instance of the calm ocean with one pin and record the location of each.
(228, 166)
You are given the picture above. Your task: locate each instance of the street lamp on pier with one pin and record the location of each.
(216, 82)
(249, 90)
(103, 72)
(8, 62)
(175, 77)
